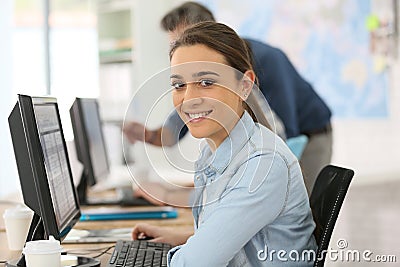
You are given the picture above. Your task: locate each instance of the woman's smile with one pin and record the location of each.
(198, 116)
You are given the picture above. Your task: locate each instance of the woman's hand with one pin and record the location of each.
(160, 234)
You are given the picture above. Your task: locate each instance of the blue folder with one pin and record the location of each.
(106, 214)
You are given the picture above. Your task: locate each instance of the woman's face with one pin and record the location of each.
(205, 92)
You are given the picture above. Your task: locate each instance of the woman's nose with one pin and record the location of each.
(192, 95)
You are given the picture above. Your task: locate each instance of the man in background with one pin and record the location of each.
(292, 98)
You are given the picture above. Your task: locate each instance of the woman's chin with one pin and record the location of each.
(197, 134)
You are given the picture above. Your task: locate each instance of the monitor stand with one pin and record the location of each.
(66, 260)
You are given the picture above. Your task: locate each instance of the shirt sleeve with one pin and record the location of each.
(238, 216)
(171, 253)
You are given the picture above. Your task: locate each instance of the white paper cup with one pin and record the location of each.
(41, 253)
(17, 221)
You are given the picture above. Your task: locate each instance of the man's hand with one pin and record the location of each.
(134, 131)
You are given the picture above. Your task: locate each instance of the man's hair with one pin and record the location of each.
(187, 14)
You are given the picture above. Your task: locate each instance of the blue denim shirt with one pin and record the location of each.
(250, 200)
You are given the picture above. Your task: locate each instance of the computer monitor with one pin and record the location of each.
(44, 169)
(89, 143)
(91, 151)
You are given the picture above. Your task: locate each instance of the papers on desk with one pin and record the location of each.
(118, 213)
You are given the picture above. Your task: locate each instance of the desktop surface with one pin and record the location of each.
(183, 221)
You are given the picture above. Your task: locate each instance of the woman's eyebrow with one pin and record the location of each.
(176, 76)
(202, 73)
(194, 75)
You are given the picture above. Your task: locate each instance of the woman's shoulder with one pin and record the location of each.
(265, 141)
(263, 147)
(265, 156)
(260, 171)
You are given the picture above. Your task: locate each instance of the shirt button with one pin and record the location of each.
(197, 177)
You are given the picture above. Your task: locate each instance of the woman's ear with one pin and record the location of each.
(247, 83)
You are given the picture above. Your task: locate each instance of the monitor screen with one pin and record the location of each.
(56, 163)
(89, 140)
(43, 165)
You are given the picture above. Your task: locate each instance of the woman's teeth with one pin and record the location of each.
(198, 115)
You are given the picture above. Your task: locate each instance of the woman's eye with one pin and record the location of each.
(178, 85)
(206, 83)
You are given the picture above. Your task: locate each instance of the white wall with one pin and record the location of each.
(151, 49)
(150, 58)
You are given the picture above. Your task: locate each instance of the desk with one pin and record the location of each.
(183, 221)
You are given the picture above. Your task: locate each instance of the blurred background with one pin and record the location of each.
(347, 49)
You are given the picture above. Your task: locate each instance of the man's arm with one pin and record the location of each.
(159, 137)
(168, 135)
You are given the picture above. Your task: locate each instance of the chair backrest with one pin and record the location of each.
(297, 144)
(326, 200)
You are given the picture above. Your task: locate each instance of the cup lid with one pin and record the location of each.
(50, 246)
(19, 211)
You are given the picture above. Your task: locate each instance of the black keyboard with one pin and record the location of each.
(139, 253)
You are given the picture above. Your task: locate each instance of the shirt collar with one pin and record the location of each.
(235, 141)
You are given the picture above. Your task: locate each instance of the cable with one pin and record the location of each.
(76, 251)
(90, 251)
(104, 252)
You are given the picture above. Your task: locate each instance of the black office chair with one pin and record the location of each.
(326, 200)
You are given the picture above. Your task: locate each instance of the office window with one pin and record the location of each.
(8, 169)
(29, 76)
(73, 54)
(73, 62)
(21, 71)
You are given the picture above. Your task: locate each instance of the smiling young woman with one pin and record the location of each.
(249, 189)
(207, 95)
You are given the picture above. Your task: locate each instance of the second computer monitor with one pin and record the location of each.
(89, 143)
(89, 140)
